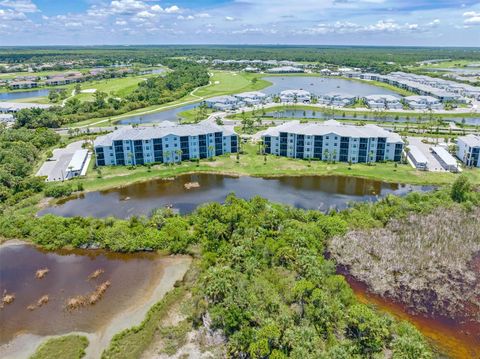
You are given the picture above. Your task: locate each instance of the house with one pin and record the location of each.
(337, 99)
(423, 103)
(468, 150)
(222, 103)
(332, 140)
(251, 98)
(167, 143)
(295, 96)
(12, 107)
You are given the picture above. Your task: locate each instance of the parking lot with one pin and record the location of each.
(433, 163)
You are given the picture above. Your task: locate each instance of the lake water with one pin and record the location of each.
(132, 278)
(316, 85)
(10, 96)
(323, 85)
(154, 117)
(371, 117)
(308, 192)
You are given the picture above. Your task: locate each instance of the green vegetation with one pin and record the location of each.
(227, 82)
(66, 347)
(131, 343)
(20, 149)
(396, 89)
(185, 77)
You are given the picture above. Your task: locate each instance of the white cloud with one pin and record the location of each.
(25, 6)
(120, 22)
(10, 15)
(145, 14)
(471, 18)
(229, 18)
(203, 15)
(156, 8)
(172, 9)
(127, 7)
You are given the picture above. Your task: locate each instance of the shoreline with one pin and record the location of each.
(170, 270)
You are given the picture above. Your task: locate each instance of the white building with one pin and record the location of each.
(337, 99)
(468, 150)
(295, 96)
(285, 70)
(423, 103)
(332, 140)
(222, 103)
(167, 143)
(447, 161)
(417, 158)
(11, 107)
(251, 98)
(77, 165)
(383, 102)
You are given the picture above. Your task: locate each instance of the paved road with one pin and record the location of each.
(55, 169)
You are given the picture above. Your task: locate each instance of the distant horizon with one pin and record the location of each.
(419, 23)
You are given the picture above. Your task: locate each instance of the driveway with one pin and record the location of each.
(55, 168)
(433, 164)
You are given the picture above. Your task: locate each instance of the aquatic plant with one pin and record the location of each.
(88, 299)
(41, 273)
(7, 298)
(97, 273)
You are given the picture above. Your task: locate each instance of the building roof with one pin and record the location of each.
(417, 154)
(148, 133)
(77, 161)
(471, 140)
(295, 92)
(381, 98)
(222, 99)
(335, 127)
(341, 95)
(417, 98)
(446, 157)
(251, 94)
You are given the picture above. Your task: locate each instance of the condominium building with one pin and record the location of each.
(423, 103)
(383, 102)
(295, 96)
(16, 85)
(251, 98)
(337, 99)
(332, 140)
(468, 150)
(222, 103)
(167, 143)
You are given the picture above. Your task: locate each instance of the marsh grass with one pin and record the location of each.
(423, 260)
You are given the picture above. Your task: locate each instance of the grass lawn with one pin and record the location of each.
(230, 82)
(395, 89)
(253, 164)
(118, 87)
(66, 347)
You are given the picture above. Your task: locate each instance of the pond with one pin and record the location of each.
(308, 192)
(10, 96)
(133, 278)
(370, 117)
(323, 85)
(154, 117)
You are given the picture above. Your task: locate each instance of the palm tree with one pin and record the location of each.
(211, 150)
(325, 155)
(334, 156)
(167, 155)
(179, 154)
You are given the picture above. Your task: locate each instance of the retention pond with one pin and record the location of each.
(308, 192)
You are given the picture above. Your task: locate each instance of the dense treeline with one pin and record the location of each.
(341, 55)
(20, 149)
(185, 77)
(268, 287)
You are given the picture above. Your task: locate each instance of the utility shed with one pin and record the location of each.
(447, 161)
(417, 158)
(76, 164)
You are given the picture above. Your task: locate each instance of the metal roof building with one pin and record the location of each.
(417, 158)
(446, 159)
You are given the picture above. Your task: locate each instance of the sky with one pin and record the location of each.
(322, 22)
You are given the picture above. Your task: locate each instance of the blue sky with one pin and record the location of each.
(329, 22)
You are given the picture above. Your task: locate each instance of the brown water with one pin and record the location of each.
(308, 192)
(452, 338)
(132, 276)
